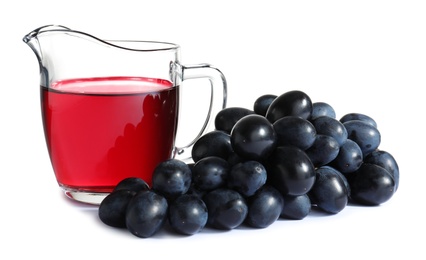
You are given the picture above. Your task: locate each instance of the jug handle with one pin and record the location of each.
(218, 99)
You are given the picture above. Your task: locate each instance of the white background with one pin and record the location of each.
(359, 56)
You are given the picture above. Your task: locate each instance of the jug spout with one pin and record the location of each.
(27, 38)
(32, 38)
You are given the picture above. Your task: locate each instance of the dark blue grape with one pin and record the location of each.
(330, 191)
(349, 158)
(210, 173)
(296, 207)
(364, 134)
(112, 209)
(290, 171)
(146, 213)
(322, 109)
(171, 178)
(234, 158)
(324, 150)
(332, 127)
(228, 117)
(262, 104)
(214, 143)
(291, 103)
(264, 207)
(227, 209)
(371, 185)
(193, 190)
(296, 131)
(191, 165)
(358, 116)
(253, 137)
(247, 177)
(385, 160)
(132, 184)
(188, 214)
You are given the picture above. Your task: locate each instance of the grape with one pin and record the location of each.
(279, 160)
(264, 207)
(290, 171)
(171, 178)
(358, 116)
(214, 143)
(387, 161)
(371, 184)
(364, 134)
(112, 209)
(228, 117)
(322, 109)
(293, 130)
(188, 214)
(262, 104)
(132, 184)
(324, 150)
(291, 103)
(227, 209)
(296, 207)
(329, 192)
(253, 137)
(146, 213)
(234, 159)
(349, 158)
(247, 177)
(193, 190)
(332, 127)
(210, 173)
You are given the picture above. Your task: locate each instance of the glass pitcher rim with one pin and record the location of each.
(162, 45)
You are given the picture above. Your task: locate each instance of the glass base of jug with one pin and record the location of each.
(93, 198)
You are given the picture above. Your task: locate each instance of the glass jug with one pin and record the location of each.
(110, 109)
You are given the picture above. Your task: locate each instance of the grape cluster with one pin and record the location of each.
(277, 160)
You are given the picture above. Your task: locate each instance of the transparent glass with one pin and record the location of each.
(111, 108)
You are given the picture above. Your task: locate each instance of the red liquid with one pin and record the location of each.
(101, 130)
